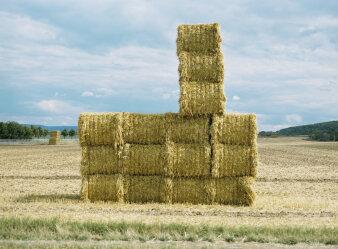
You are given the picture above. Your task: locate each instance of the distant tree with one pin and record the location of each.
(39, 132)
(13, 130)
(72, 133)
(45, 132)
(34, 130)
(64, 133)
(28, 133)
(3, 130)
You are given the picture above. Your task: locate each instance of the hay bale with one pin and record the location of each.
(187, 129)
(54, 138)
(199, 37)
(201, 98)
(188, 160)
(105, 187)
(198, 67)
(240, 129)
(235, 191)
(144, 159)
(234, 160)
(100, 129)
(146, 189)
(193, 190)
(84, 188)
(101, 159)
(141, 128)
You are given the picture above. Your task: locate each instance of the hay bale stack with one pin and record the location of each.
(201, 69)
(54, 138)
(200, 156)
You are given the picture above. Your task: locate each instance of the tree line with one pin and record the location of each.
(13, 130)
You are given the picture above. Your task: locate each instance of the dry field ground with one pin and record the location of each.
(296, 186)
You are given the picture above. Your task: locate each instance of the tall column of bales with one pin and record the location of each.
(232, 137)
(54, 138)
(200, 155)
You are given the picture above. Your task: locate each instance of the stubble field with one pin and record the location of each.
(296, 187)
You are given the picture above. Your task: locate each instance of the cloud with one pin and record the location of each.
(236, 98)
(57, 107)
(105, 92)
(293, 118)
(13, 26)
(87, 94)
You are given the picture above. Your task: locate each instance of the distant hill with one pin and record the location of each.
(309, 129)
(51, 128)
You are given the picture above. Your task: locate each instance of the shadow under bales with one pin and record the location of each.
(49, 198)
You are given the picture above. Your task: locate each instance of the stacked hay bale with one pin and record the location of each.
(200, 155)
(54, 138)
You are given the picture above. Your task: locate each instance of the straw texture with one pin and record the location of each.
(235, 191)
(141, 128)
(146, 189)
(234, 160)
(101, 159)
(199, 38)
(190, 160)
(100, 129)
(144, 159)
(235, 129)
(187, 129)
(54, 138)
(201, 98)
(106, 187)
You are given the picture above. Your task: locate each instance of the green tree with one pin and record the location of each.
(3, 130)
(28, 133)
(39, 132)
(13, 130)
(64, 133)
(34, 130)
(72, 133)
(45, 132)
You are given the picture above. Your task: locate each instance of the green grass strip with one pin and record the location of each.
(54, 229)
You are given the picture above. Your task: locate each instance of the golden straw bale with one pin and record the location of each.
(190, 159)
(187, 129)
(201, 67)
(235, 191)
(141, 128)
(100, 129)
(201, 98)
(54, 138)
(84, 188)
(234, 160)
(54, 133)
(199, 37)
(192, 190)
(146, 189)
(54, 141)
(144, 159)
(234, 129)
(101, 159)
(106, 187)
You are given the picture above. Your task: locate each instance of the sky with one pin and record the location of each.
(59, 58)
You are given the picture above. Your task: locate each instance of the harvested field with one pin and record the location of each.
(296, 182)
(296, 186)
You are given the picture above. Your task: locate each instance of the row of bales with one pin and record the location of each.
(200, 155)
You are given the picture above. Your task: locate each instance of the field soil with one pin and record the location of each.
(296, 186)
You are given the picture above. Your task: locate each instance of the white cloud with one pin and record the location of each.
(236, 98)
(87, 94)
(166, 96)
(293, 118)
(58, 107)
(105, 92)
(14, 26)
